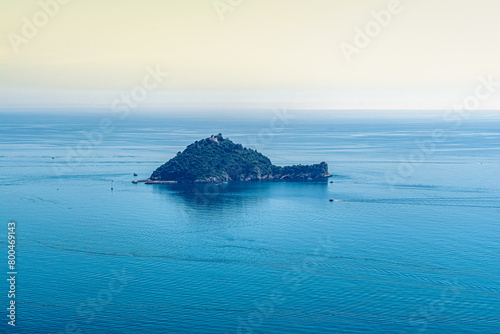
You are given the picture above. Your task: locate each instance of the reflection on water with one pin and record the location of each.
(237, 194)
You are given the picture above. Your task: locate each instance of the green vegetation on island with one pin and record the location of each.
(218, 159)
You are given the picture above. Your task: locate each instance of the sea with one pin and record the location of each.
(403, 238)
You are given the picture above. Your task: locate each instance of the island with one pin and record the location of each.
(217, 159)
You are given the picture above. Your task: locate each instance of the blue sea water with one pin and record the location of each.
(410, 243)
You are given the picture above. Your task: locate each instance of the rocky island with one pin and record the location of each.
(217, 159)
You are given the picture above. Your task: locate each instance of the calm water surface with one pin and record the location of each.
(404, 248)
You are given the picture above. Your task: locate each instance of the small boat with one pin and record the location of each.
(135, 174)
(111, 184)
(331, 181)
(53, 158)
(135, 181)
(331, 199)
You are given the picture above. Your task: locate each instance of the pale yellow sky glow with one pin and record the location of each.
(304, 53)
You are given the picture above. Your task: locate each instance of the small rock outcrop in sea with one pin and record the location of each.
(218, 159)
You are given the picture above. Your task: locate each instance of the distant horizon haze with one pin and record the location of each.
(378, 54)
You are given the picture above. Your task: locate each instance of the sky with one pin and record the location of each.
(316, 54)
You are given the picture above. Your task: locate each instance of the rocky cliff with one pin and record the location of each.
(218, 159)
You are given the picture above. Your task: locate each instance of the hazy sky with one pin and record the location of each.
(304, 53)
